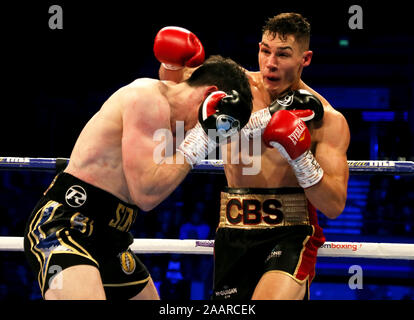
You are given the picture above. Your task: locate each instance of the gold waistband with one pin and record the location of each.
(262, 211)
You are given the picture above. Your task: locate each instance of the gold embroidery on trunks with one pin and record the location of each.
(124, 218)
(127, 262)
(260, 211)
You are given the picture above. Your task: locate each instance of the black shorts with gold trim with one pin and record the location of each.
(260, 231)
(76, 223)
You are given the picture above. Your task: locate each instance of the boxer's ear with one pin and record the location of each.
(209, 90)
(307, 58)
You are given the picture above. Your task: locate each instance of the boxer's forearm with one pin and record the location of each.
(328, 196)
(159, 181)
(170, 75)
(175, 75)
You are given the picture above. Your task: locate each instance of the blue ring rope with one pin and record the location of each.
(215, 166)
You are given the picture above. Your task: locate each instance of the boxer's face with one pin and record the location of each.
(281, 62)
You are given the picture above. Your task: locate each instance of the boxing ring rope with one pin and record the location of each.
(355, 166)
(401, 251)
(404, 251)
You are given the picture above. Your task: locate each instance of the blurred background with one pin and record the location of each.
(55, 80)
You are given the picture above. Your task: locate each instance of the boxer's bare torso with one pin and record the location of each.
(282, 58)
(115, 149)
(275, 171)
(330, 141)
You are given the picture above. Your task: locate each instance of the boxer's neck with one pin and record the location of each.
(184, 103)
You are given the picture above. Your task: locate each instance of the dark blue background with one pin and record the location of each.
(55, 80)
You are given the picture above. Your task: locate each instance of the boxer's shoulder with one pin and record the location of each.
(141, 88)
(142, 91)
(143, 83)
(334, 128)
(335, 120)
(144, 100)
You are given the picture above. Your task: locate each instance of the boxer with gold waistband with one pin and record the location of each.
(264, 230)
(259, 253)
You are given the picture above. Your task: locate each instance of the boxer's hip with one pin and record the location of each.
(104, 208)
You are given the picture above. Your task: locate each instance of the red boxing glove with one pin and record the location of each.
(177, 47)
(289, 134)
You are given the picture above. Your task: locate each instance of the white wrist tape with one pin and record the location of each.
(171, 67)
(196, 145)
(306, 168)
(257, 123)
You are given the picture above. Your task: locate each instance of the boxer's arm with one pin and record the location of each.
(329, 195)
(175, 75)
(150, 178)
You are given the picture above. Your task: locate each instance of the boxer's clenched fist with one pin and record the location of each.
(221, 115)
(177, 47)
(289, 134)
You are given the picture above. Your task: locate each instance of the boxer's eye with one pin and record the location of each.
(283, 55)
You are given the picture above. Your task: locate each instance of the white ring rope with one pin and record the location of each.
(402, 251)
(329, 249)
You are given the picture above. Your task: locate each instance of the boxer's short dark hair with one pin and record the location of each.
(224, 73)
(289, 23)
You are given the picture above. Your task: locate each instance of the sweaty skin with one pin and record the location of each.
(281, 62)
(115, 152)
(115, 149)
(330, 139)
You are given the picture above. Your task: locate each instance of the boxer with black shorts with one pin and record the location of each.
(76, 223)
(304, 145)
(264, 230)
(77, 238)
